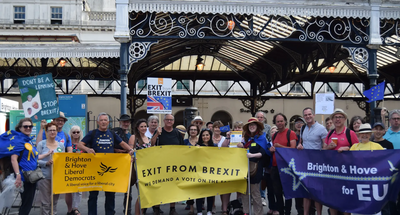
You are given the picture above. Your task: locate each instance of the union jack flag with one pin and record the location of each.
(158, 103)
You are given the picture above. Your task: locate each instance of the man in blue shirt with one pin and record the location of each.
(102, 140)
(393, 133)
(61, 137)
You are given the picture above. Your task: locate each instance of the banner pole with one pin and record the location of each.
(137, 181)
(128, 192)
(248, 182)
(52, 203)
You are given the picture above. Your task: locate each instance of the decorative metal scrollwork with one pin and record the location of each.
(249, 27)
(359, 55)
(138, 50)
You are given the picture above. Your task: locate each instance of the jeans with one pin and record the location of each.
(27, 198)
(199, 204)
(109, 204)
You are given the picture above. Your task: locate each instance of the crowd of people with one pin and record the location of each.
(259, 138)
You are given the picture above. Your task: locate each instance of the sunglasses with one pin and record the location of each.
(27, 126)
(76, 132)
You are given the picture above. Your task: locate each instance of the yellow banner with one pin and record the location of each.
(177, 173)
(77, 172)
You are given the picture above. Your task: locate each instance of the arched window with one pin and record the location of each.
(141, 114)
(291, 122)
(178, 118)
(224, 116)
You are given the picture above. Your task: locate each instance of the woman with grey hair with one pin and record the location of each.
(73, 199)
(153, 123)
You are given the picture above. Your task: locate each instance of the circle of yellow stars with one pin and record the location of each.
(104, 147)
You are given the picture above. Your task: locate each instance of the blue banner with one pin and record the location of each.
(38, 97)
(356, 182)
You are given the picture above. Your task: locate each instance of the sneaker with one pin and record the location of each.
(264, 203)
(156, 211)
(173, 212)
(209, 213)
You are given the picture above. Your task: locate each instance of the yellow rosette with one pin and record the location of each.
(28, 147)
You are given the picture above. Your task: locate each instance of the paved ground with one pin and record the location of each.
(62, 208)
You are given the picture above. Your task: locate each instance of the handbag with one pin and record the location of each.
(33, 176)
(253, 168)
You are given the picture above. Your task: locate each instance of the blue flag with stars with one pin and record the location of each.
(12, 142)
(225, 128)
(375, 93)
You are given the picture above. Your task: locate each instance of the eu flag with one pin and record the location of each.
(12, 142)
(375, 93)
(225, 128)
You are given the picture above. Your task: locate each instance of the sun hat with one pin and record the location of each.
(125, 117)
(253, 120)
(338, 111)
(365, 128)
(379, 124)
(62, 115)
(198, 118)
(181, 129)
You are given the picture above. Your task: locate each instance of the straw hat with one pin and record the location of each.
(62, 116)
(181, 129)
(198, 118)
(338, 111)
(253, 120)
(365, 128)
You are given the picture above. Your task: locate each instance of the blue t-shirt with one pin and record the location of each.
(61, 138)
(393, 137)
(28, 164)
(103, 141)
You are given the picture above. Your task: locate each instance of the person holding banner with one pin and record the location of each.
(205, 140)
(340, 138)
(312, 136)
(24, 157)
(102, 140)
(140, 141)
(355, 123)
(169, 136)
(48, 147)
(61, 137)
(193, 132)
(284, 138)
(73, 202)
(365, 133)
(198, 121)
(258, 149)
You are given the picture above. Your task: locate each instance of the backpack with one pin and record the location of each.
(235, 207)
(287, 136)
(348, 136)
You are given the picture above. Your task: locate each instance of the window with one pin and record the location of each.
(19, 15)
(104, 84)
(179, 85)
(59, 84)
(297, 88)
(141, 84)
(222, 85)
(334, 86)
(56, 15)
